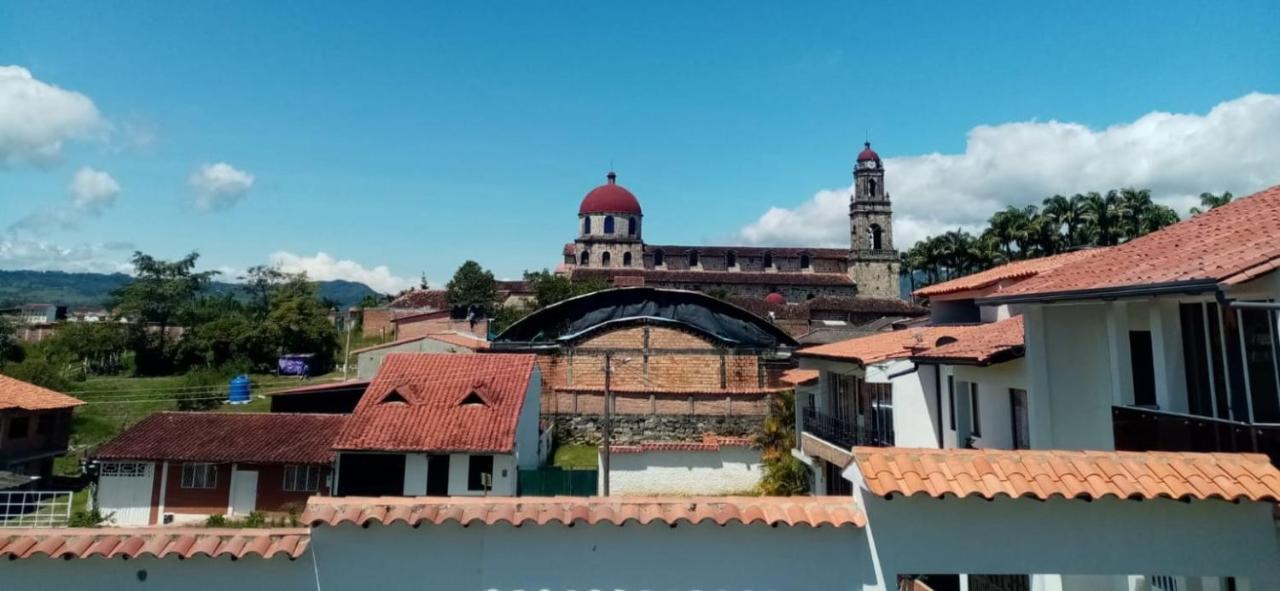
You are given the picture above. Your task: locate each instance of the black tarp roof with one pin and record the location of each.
(575, 317)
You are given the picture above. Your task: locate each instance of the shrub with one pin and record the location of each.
(92, 518)
(216, 521)
(255, 519)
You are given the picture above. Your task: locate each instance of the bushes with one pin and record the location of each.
(784, 475)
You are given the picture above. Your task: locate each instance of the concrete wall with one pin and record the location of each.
(995, 413)
(527, 425)
(920, 535)
(915, 407)
(368, 362)
(504, 475)
(1070, 362)
(730, 470)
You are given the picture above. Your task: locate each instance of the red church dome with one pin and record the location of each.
(775, 299)
(610, 198)
(867, 153)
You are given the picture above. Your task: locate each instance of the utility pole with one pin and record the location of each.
(346, 356)
(608, 424)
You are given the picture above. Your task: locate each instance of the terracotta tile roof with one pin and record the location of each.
(349, 385)
(1015, 271)
(182, 543)
(417, 402)
(806, 309)
(20, 394)
(416, 316)
(422, 298)
(460, 340)
(268, 438)
(710, 442)
(1226, 245)
(981, 344)
(884, 346)
(800, 377)
(1043, 474)
(775, 511)
(654, 276)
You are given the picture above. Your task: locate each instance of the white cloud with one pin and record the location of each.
(20, 253)
(36, 118)
(1234, 147)
(219, 186)
(93, 190)
(323, 267)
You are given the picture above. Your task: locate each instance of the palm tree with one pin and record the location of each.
(1210, 201)
(1102, 217)
(1003, 228)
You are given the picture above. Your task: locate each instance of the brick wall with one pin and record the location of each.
(437, 324)
(271, 496)
(377, 322)
(632, 429)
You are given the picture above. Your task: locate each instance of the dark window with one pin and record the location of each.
(693, 258)
(477, 466)
(1142, 360)
(871, 187)
(301, 478)
(586, 225)
(877, 237)
(1196, 358)
(604, 259)
(657, 258)
(44, 423)
(951, 401)
(768, 260)
(731, 260)
(438, 476)
(608, 224)
(1258, 329)
(394, 397)
(197, 475)
(626, 259)
(473, 398)
(19, 427)
(1021, 419)
(586, 258)
(804, 261)
(631, 226)
(975, 423)
(836, 483)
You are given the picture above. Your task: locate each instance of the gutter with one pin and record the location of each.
(993, 359)
(1196, 286)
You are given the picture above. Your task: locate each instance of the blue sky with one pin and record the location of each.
(415, 135)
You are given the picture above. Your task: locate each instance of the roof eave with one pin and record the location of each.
(1195, 286)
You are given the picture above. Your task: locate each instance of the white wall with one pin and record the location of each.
(369, 361)
(415, 475)
(195, 574)
(727, 471)
(913, 401)
(995, 414)
(1070, 372)
(527, 423)
(504, 476)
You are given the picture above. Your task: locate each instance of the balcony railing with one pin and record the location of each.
(1142, 429)
(839, 432)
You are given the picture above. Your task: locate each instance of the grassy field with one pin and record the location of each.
(575, 457)
(112, 404)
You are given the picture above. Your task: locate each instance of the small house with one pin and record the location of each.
(35, 425)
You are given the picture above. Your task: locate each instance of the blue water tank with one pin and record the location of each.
(238, 393)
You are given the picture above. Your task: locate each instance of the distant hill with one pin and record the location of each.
(84, 290)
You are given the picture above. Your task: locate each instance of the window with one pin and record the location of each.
(631, 226)
(608, 224)
(975, 423)
(302, 478)
(693, 258)
(657, 258)
(586, 258)
(877, 237)
(1230, 358)
(477, 466)
(951, 401)
(768, 260)
(19, 427)
(1021, 420)
(804, 261)
(1142, 363)
(871, 187)
(604, 259)
(199, 475)
(731, 260)
(586, 225)
(626, 259)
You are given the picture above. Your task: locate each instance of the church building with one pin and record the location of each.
(610, 246)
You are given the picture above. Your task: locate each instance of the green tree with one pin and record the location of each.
(299, 322)
(549, 288)
(784, 475)
(472, 286)
(159, 298)
(1210, 201)
(10, 348)
(99, 347)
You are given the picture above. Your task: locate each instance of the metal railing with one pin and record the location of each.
(1144, 429)
(839, 432)
(35, 508)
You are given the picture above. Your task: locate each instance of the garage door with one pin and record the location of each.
(124, 491)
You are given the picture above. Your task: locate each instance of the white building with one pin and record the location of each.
(369, 359)
(714, 466)
(442, 424)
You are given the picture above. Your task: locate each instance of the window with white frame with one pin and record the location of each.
(302, 478)
(199, 475)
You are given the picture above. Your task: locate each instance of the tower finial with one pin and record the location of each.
(613, 178)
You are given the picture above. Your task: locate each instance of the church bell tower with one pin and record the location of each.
(873, 262)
